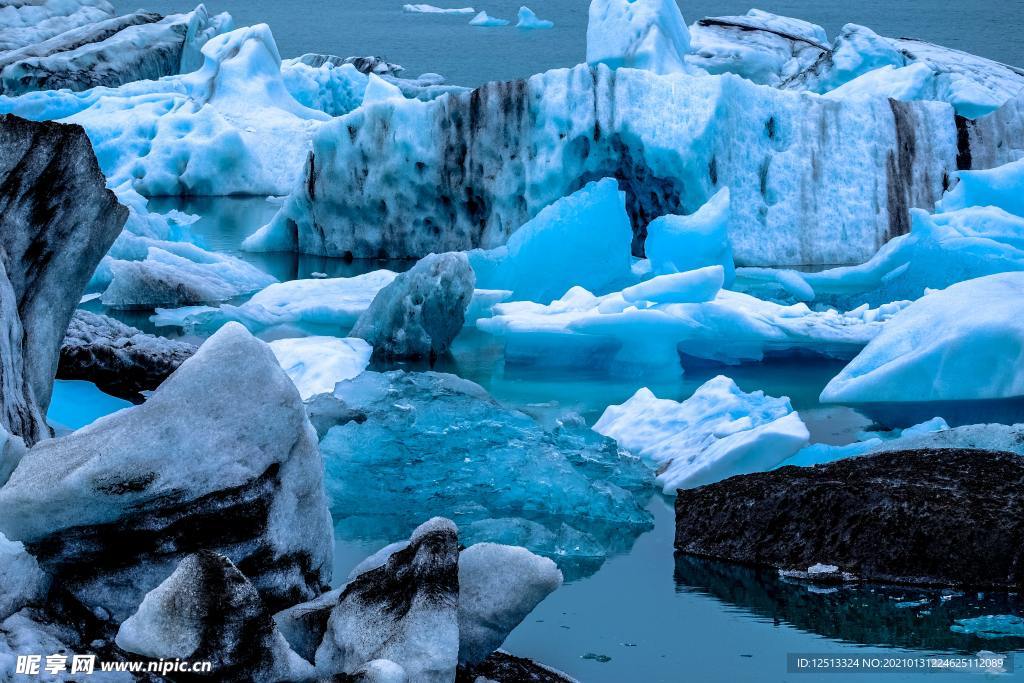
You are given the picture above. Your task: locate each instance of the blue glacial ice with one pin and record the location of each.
(962, 343)
(918, 436)
(486, 20)
(999, 187)
(610, 331)
(676, 244)
(34, 22)
(582, 239)
(638, 34)
(433, 444)
(717, 433)
(528, 20)
(991, 626)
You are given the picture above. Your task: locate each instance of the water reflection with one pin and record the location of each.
(865, 615)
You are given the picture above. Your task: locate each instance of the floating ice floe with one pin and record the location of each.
(134, 47)
(918, 436)
(431, 9)
(991, 626)
(717, 433)
(319, 304)
(677, 244)
(762, 47)
(935, 349)
(316, 364)
(581, 329)
(484, 19)
(638, 34)
(583, 239)
(528, 20)
(566, 493)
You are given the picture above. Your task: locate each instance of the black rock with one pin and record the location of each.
(119, 359)
(57, 220)
(950, 517)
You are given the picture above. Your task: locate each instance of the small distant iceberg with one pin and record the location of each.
(430, 9)
(528, 20)
(483, 19)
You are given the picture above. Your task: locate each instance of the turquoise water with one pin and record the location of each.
(75, 404)
(468, 55)
(644, 615)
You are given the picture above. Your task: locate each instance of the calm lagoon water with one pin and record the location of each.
(645, 616)
(469, 55)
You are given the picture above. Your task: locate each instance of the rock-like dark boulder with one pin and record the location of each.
(119, 359)
(57, 220)
(928, 517)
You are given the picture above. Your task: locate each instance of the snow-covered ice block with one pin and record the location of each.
(431, 441)
(484, 19)
(320, 304)
(691, 287)
(679, 243)
(932, 351)
(405, 611)
(717, 433)
(316, 364)
(498, 586)
(243, 456)
(421, 311)
(762, 47)
(583, 239)
(207, 609)
(528, 20)
(21, 579)
(165, 279)
(432, 9)
(638, 34)
(581, 329)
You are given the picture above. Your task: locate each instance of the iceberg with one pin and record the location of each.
(235, 470)
(431, 9)
(26, 23)
(316, 305)
(717, 433)
(533, 142)
(638, 34)
(692, 287)
(421, 311)
(991, 626)
(912, 438)
(528, 20)
(762, 47)
(932, 350)
(484, 19)
(584, 330)
(316, 364)
(676, 244)
(404, 446)
(583, 239)
(1000, 187)
(135, 47)
(856, 51)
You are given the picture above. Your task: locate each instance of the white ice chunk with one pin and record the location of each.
(1002, 187)
(484, 19)
(316, 364)
(961, 343)
(431, 9)
(692, 287)
(638, 34)
(717, 433)
(21, 579)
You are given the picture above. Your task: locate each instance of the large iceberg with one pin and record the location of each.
(111, 509)
(476, 166)
(935, 349)
(638, 34)
(231, 127)
(717, 433)
(412, 445)
(583, 239)
(528, 20)
(112, 52)
(646, 326)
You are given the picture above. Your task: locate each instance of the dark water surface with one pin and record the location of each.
(470, 55)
